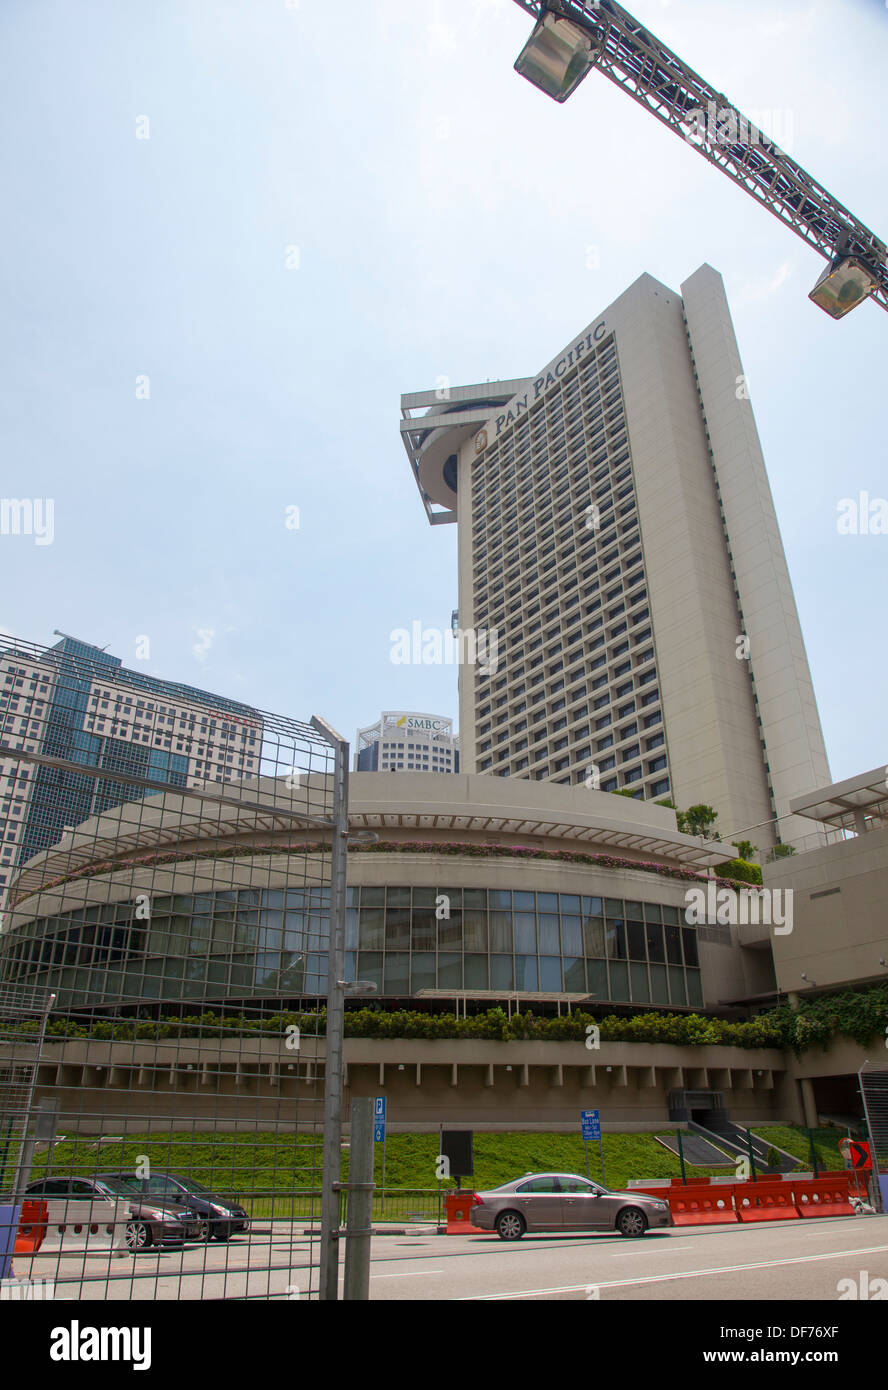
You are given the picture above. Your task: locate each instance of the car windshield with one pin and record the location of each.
(160, 1182)
(118, 1186)
(190, 1185)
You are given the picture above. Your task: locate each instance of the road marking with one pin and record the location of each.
(661, 1247)
(665, 1278)
(411, 1274)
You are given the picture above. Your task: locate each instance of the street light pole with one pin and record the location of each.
(332, 1134)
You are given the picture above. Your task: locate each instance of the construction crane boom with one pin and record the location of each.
(629, 55)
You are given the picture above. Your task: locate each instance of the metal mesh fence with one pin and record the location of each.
(165, 870)
(874, 1090)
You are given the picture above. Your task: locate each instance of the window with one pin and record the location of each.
(539, 1185)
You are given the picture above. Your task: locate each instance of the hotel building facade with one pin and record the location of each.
(616, 532)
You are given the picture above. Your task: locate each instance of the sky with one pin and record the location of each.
(235, 233)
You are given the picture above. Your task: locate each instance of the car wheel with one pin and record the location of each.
(510, 1226)
(203, 1231)
(631, 1222)
(137, 1235)
(221, 1233)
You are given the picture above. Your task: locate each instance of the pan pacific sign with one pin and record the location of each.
(550, 377)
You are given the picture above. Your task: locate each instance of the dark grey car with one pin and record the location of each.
(89, 1202)
(565, 1202)
(219, 1217)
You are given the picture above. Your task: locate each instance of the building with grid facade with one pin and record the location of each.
(617, 534)
(407, 741)
(74, 703)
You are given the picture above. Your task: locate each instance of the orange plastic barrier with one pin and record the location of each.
(458, 1206)
(823, 1197)
(702, 1206)
(32, 1228)
(765, 1201)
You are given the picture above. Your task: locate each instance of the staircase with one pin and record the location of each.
(733, 1138)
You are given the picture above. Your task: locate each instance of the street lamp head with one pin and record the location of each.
(557, 55)
(845, 283)
(358, 986)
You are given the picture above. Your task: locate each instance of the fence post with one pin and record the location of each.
(329, 1254)
(681, 1159)
(751, 1155)
(359, 1221)
(813, 1150)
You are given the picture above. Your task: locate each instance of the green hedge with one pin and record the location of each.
(492, 1025)
(861, 1015)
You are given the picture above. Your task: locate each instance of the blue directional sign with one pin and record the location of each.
(378, 1119)
(590, 1121)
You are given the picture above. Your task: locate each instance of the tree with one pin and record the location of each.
(698, 820)
(781, 852)
(745, 849)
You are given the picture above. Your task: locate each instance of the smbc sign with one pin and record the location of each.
(413, 721)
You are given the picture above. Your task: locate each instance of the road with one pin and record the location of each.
(802, 1259)
(775, 1260)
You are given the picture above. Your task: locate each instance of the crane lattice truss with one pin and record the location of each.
(658, 79)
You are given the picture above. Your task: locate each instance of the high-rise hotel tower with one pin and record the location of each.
(617, 533)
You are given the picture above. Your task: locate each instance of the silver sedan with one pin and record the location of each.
(564, 1202)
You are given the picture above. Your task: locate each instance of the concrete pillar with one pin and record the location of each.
(809, 1105)
(454, 1074)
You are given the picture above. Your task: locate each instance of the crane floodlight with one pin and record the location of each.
(571, 37)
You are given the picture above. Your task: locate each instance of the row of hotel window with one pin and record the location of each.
(522, 532)
(394, 973)
(445, 920)
(564, 488)
(553, 476)
(596, 384)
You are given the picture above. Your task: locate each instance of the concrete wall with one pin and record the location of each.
(840, 920)
(793, 737)
(712, 736)
(481, 1084)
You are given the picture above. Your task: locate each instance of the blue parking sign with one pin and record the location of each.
(378, 1119)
